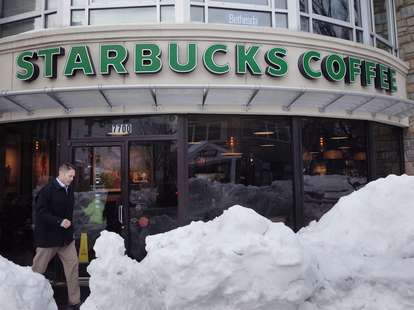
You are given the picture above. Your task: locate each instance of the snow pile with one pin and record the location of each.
(23, 289)
(364, 248)
(360, 255)
(238, 261)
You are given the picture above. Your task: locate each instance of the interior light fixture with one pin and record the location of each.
(194, 142)
(263, 133)
(231, 154)
(267, 145)
(117, 134)
(344, 147)
(338, 138)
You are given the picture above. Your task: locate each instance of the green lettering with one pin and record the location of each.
(30, 70)
(353, 66)
(333, 68)
(50, 60)
(246, 59)
(147, 58)
(175, 64)
(305, 66)
(367, 72)
(79, 59)
(381, 79)
(113, 56)
(277, 65)
(392, 80)
(208, 59)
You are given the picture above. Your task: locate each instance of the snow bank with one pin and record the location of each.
(360, 255)
(23, 289)
(364, 247)
(238, 261)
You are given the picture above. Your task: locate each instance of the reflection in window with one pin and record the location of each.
(332, 30)
(14, 7)
(252, 2)
(152, 192)
(381, 18)
(238, 17)
(281, 20)
(240, 160)
(337, 9)
(52, 20)
(332, 18)
(78, 18)
(123, 16)
(281, 4)
(26, 165)
(304, 6)
(197, 14)
(167, 13)
(357, 12)
(334, 162)
(52, 4)
(383, 46)
(98, 189)
(387, 150)
(17, 27)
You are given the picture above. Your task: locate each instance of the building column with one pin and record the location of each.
(405, 26)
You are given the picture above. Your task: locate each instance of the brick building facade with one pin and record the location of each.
(405, 26)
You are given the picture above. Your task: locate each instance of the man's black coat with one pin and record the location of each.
(53, 205)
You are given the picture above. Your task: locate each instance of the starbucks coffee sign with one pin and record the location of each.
(149, 58)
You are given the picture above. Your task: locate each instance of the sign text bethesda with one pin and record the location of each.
(148, 59)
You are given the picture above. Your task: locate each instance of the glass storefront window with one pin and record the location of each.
(239, 17)
(167, 13)
(357, 12)
(119, 16)
(197, 14)
(27, 159)
(337, 9)
(78, 18)
(334, 162)
(51, 21)
(252, 2)
(281, 20)
(52, 4)
(17, 27)
(281, 4)
(240, 160)
(304, 23)
(79, 2)
(381, 17)
(128, 126)
(152, 183)
(98, 193)
(304, 7)
(387, 150)
(14, 7)
(332, 30)
(383, 46)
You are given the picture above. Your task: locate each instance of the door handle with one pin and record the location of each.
(120, 214)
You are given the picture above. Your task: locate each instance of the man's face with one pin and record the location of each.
(66, 177)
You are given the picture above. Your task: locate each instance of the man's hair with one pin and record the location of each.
(66, 167)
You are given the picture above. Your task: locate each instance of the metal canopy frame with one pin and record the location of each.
(275, 100)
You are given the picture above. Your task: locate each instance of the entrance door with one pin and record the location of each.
(98, 196)
(152, 192)
(129, 188)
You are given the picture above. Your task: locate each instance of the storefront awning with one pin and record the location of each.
(211, 99)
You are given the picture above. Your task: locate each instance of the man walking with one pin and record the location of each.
(53, 231)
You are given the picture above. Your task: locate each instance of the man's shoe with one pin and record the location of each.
(74, 307)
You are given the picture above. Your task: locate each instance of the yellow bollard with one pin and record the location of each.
(83, 249)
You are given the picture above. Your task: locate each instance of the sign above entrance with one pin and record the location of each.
(149, 59)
